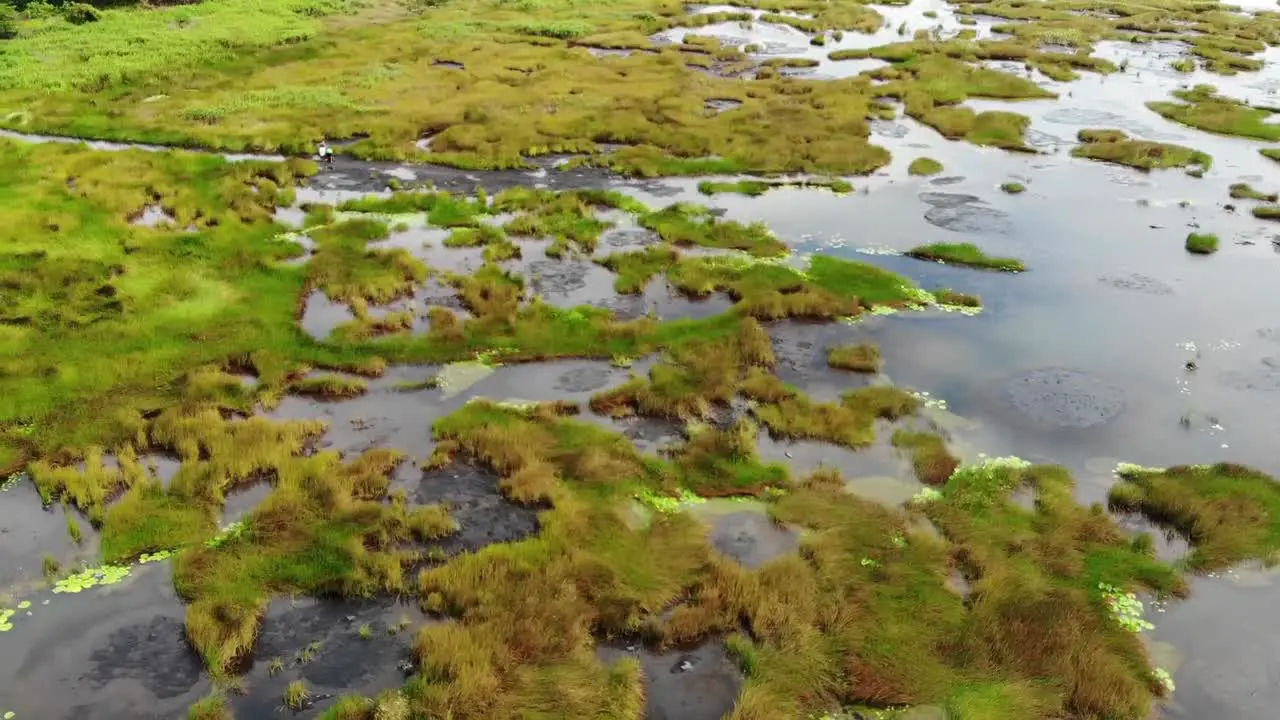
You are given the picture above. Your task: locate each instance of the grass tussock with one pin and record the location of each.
(330, 387)
(863, 358)
(966, 254)
(636, 268)
(1202, 108)
(690, 225)
(346, 269)
(924, 166)
(1202, 243)
(1244, 191)
(932, 462)
(1229, 513)
(1113, 146)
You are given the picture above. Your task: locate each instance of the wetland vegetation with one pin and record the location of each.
(126, 344)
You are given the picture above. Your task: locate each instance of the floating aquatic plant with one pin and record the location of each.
(230, 532)
(666, 504)
(92, 577)
(930, 402)
(11, 481)
(1125, 607)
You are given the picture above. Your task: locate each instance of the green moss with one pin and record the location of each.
(1183, 65)
(149, 519)
(1267, 212)
(966, 254)
(1271, 153)
(692, 225)
(1204, 109)
(864, 358)
(1243, 191)
(329, 387)
(1229, 513)
(1013, 188)
(1113, 146)
(881, 401)
(635, 269)
(866, 282)
(955, 298)
(1202, 243)
(924, 166)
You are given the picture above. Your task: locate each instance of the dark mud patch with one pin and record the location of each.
(629, 238)
(106, 653)
(969, 218)
(586, 379)
(948, 200)
(950, 180)
(153, 652)
(476, 503)
(1137, 282)
(751, 538)
(697, 684)
(333, 646)
(1061, 398)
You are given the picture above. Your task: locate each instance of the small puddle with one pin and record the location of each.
(483, 515)
(697, 684)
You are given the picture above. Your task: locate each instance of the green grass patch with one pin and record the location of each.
(636, 268)
(863, 357)
(932, 462)
(966, 254)
(1113, 146)
(1244, 191)
(924, 166)
(691, 225)
(1202, 243)
(1204, 109)
(1013, 188)
(1229, 513)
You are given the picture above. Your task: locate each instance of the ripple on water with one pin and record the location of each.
(969, 218)
(1061, 398)
(1137, 282)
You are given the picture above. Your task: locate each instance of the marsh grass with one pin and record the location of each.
(296, 696)
(1113, 146)
(924, 166)
(329, 387)
(1267, 212)
(213, 707)
(1202, 243)
(863, 358)
(691, 225)
(636, 268)
(1229, 513)
(932, 462)
(1244, 191)
(1204, 109)
(966, 254)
